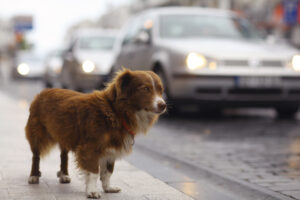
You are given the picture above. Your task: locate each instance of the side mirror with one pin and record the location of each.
(143, 37)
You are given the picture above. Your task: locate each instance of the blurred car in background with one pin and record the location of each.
(28, 65)
(53, 66)
(211, 57)
(87, 61)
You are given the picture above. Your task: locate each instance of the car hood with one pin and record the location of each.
(102, 59)
(233, 49)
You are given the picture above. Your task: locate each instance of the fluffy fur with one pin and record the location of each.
(92, 125)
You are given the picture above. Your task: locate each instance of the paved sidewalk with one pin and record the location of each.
(15, 161)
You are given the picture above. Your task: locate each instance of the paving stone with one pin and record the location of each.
(286, 186)
(162, 197)
(3, 193)
(294, 194)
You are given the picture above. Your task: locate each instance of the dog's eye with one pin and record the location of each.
(160, 89)
(146, 89)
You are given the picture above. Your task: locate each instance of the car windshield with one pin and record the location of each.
(29, 58)
(197, 26)
(57, 53)
(97, 43)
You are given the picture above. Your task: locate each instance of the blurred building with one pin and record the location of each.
(22, 26)
(80, 25)
(116, 17)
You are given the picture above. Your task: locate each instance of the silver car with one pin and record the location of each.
(28, 65)
(87, 61)
(211, 57)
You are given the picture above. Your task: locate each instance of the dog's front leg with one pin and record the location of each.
(89, 163)
(106, 170)
(91, 185)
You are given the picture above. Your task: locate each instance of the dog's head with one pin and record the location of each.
(141, 90)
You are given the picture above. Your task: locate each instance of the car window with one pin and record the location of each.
(96, 43)
(195, 26)
(136, 26)
(30, 58)
(132, 29)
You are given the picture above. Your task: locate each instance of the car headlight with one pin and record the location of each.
(296, 62)
(88, 66)
(195, 61)
(23, 69)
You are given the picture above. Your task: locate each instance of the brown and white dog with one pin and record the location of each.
(98, 127)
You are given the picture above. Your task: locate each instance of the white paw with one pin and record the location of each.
(91, 186)
(93, 195)
(33, 180)
(112, 190)
(63, 178)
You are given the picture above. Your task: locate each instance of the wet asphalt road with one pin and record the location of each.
(251, 145)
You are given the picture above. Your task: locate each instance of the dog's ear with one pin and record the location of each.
(124, 78)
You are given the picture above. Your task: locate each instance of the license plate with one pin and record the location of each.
(255, 82)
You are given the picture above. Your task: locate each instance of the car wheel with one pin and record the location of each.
(172, 107)
(69, 80)
(111, 74)
(73, 85)
(286, 112)
(162, 76)
(63, 78)
(48, 84)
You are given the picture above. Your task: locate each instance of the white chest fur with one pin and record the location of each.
(143, 119)
(125, 150)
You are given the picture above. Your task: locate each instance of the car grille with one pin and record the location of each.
(271, 63)
(233, 63)
(294, 92)
(264, 63)
(249, 91)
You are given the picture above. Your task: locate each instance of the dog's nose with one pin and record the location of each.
(161, 105)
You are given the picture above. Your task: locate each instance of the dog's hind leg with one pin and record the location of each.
(106, 170)
(63, 174)
(40, 143)
(35, 171)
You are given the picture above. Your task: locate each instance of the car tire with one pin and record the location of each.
(162, 76)
(173, 108)
(111, 74)
(286, 112)
(73, 86)
(48, 84)
(69, 81)
(62, 78)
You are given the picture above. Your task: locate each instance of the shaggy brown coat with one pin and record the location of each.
(89, 124)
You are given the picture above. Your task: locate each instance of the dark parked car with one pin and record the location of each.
(87, 62)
